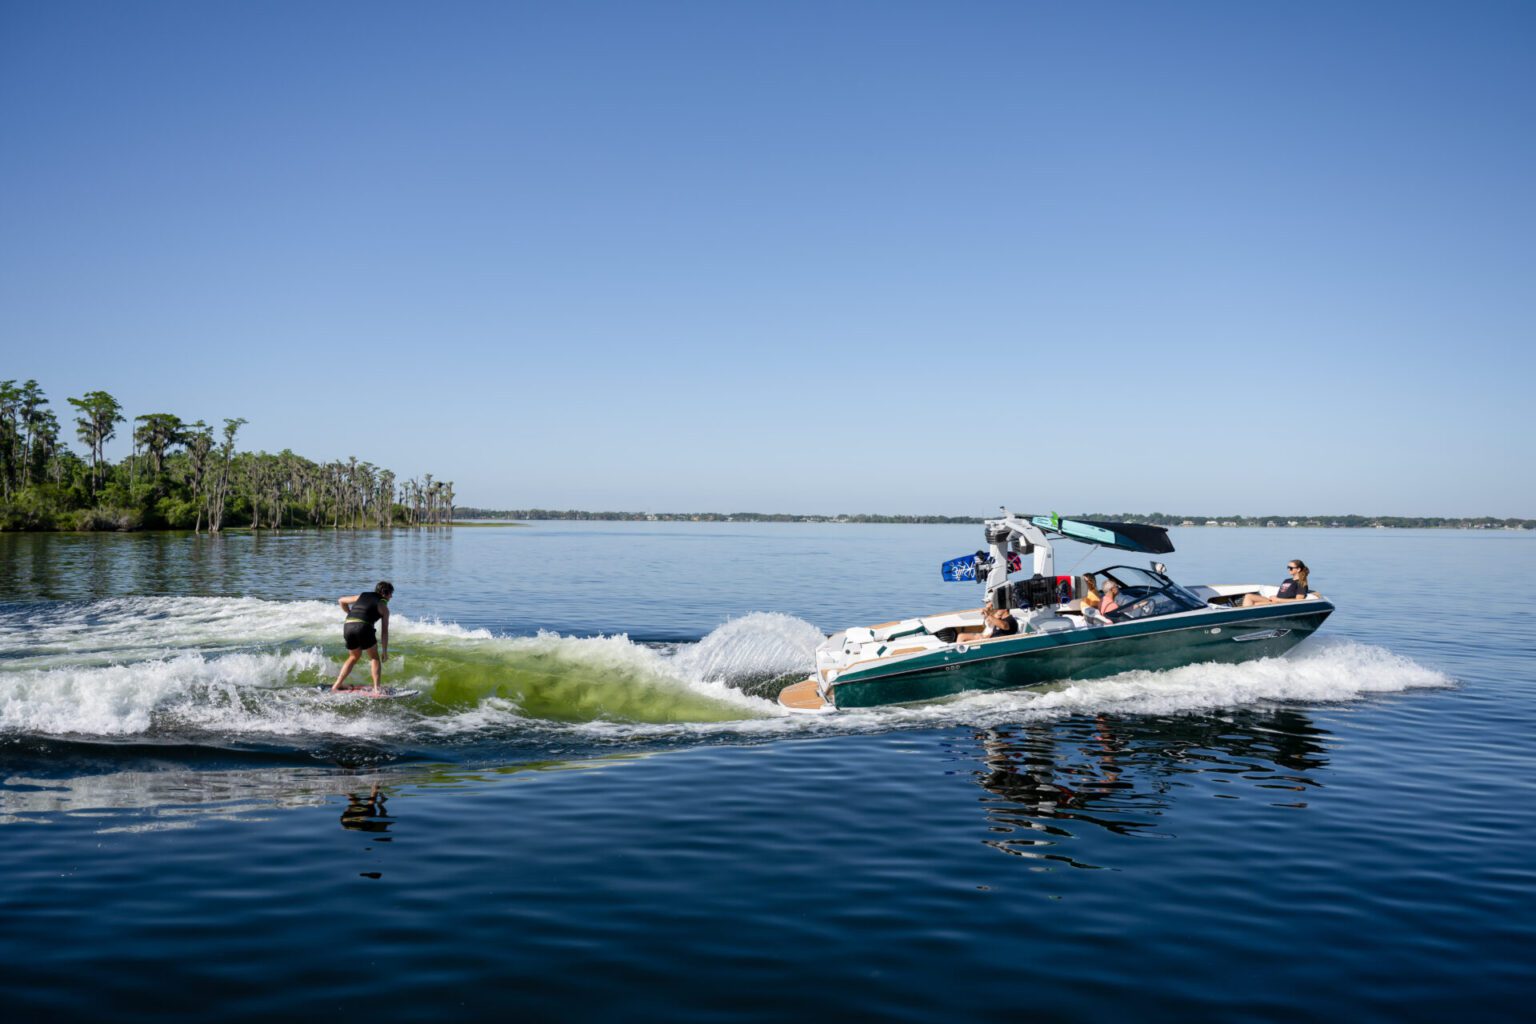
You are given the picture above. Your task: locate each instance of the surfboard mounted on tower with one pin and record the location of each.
(963, 569)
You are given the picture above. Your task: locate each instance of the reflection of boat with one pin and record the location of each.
(1159, 624)
(1052, 785)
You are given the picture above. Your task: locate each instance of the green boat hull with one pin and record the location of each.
(1226, 636)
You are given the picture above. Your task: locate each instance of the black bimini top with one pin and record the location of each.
(1151, 540)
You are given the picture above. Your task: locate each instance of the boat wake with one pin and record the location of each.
(1324, 670)
(240, 673)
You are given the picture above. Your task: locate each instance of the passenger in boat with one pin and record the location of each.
(1293, 589)
(363, 610)
(1111, 599)
(1000, 622)
(1091, 599)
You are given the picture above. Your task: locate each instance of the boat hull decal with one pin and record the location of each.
(1263, 634)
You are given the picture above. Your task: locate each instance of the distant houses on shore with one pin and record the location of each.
(1154, 519)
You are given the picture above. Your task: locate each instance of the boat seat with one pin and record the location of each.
(1046, 622)
(909, 645)
(898, 630)
(952, 620)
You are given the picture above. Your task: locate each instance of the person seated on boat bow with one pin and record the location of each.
(1000, 622)
(1293, 589)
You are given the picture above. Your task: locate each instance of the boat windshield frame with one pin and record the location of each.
(1146, 593)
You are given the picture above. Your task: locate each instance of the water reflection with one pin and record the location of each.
(88, 566)
(367, 814)
(1052, 786)
(153, 795)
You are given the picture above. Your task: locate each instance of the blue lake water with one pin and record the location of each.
(595, 811)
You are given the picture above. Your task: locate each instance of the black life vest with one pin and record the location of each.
(366, 607)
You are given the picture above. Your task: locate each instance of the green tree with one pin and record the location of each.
(385, 501)
(44, 458)
(197, 438)
(35, 418)
(10, 438)
(97, 423)
(157, 431)
(222, 475)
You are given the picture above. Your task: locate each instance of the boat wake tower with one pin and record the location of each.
(1010, 539)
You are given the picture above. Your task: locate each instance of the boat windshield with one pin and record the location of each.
(1144, 594)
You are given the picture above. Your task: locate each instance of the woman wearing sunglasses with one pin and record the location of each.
(1293, 589)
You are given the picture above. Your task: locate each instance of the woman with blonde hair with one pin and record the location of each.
(1091, 597)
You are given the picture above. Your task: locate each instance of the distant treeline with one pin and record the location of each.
(694, 517)
(1329, 522)
(1155, 519)
(183, 476)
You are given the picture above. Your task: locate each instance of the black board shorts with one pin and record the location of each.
(359, 636)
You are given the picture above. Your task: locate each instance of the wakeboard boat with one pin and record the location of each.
(1158, 624)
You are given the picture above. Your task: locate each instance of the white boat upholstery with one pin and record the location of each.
(909, 645)
(900, 630)
(1045, 622)
(952, 620)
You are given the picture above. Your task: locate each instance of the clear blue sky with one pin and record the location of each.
(808, 257)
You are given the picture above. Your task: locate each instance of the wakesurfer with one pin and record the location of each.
(363, 610)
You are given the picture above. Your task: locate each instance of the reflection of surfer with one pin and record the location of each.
(363, 610)
(366, 814)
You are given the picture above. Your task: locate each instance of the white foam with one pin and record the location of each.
(126, 699)
(1325, 671)
(128, 628)
(756, 646)
(128, 666)
(437, 628)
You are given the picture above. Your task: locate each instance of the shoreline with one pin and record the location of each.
(246, 530)
(1331, 522)
(524, 522)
